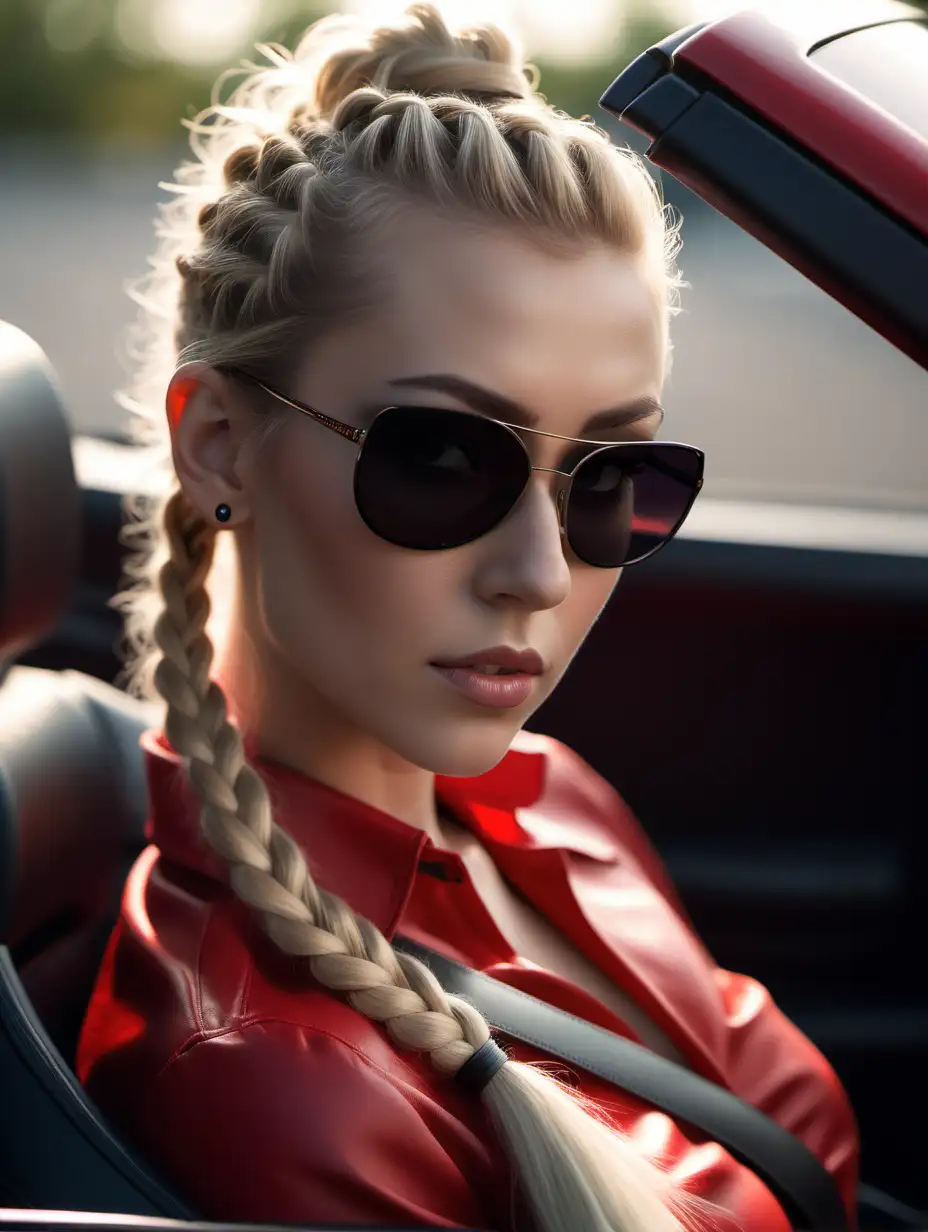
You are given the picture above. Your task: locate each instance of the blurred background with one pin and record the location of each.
(795, 402)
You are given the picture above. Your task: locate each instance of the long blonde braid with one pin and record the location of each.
(297, 164)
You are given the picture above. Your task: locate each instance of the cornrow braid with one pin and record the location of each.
(253, 238)
(423, 56)
(526, 164)
(271, 238)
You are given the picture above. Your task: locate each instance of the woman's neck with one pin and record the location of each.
(276, 730)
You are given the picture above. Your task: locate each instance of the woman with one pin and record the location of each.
(390, 241)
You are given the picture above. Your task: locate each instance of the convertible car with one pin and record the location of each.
(785, 785)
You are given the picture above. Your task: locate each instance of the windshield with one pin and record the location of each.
(888, 64)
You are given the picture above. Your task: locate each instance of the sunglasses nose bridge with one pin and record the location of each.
(561, 486)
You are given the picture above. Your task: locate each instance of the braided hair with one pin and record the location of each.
(257, 250)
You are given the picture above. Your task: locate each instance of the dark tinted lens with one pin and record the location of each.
(433, 479)
(627, 501)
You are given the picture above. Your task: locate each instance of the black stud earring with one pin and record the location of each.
(223, 513)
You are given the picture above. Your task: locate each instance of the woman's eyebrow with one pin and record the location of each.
(495, 405)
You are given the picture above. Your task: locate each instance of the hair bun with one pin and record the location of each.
(421, 55)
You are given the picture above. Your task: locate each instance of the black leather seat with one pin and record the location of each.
(72, 812)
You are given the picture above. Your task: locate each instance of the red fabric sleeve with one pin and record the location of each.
(276, 1122)
(789, 1079)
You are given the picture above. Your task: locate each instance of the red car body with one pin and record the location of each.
(742, 113)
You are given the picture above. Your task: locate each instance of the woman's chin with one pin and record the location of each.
(459, 750)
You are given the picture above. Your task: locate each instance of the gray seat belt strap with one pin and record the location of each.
(802, 1185)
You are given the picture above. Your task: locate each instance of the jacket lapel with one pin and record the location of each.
(565, 839)
(627, 928)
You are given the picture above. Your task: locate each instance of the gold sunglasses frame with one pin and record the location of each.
(357, 436)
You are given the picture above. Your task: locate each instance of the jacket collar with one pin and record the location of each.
(512, 805)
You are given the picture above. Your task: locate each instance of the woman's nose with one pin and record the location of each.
(526, 555)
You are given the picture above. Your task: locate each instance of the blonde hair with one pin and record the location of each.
(258, 252)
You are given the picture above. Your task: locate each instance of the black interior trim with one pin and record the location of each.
(660, 105)
(646, 69)
(48, 934)
(872, 261)
(82, 1163)
(622, 95)
(51, 1221)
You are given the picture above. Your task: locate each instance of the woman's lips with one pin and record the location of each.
(501, 692)
(527, 661)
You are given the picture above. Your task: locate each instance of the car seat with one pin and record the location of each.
(72, 814)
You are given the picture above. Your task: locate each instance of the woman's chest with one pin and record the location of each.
(533, 937)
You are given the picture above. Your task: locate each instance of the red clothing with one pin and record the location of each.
(262, 1097)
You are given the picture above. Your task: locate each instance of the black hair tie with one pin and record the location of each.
(485, 1064)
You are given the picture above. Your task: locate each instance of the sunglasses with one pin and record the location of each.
(431, 479)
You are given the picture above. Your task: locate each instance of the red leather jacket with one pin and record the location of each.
(262, 1097)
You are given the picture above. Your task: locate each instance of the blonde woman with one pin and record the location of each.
(417, 323)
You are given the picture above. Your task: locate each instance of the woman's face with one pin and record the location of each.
(346, 626)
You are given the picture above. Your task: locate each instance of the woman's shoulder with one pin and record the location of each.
(296, 1115)
(188, 964)
(203, 1042)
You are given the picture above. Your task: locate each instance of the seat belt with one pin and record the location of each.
(799, 1181)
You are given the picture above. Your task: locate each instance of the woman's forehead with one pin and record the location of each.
(489, 303)
(505, 269)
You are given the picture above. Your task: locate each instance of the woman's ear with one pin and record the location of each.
(209, 424)
(182, 386)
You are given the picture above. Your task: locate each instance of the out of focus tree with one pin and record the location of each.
(95, 69)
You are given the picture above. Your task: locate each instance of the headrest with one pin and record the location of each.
(73, 798)
(40, 506)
